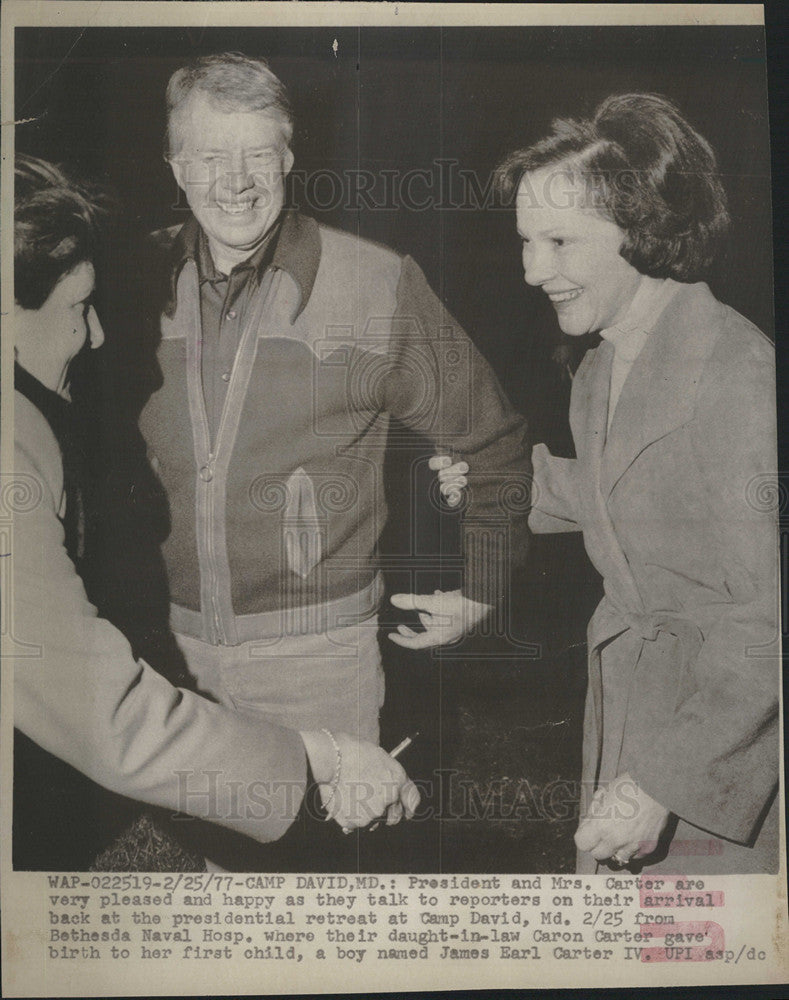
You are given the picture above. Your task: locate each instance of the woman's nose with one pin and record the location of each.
(537, 265)
(95, 330)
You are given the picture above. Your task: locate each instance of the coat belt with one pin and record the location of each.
(648, 626)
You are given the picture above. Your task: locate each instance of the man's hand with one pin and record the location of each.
(371, 784)
(446, 615)
(623, 823)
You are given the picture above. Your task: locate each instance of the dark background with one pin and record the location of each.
(398, 100)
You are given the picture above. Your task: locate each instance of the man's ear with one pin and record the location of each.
(177, 166)
(287, 161)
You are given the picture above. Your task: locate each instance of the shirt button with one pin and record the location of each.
(206, 473)
(231, 314)
(225, 376)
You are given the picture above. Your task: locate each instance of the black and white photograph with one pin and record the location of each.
(394, 501)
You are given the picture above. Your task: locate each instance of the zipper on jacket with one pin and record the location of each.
(210, 549)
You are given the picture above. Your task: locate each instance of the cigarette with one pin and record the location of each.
(403, 745)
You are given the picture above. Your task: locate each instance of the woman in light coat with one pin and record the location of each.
(673, 419)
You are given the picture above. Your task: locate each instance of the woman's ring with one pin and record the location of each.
(620, 861)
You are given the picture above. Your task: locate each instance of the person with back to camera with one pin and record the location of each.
(79, 693)
(673, 419)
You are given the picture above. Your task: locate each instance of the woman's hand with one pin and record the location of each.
(371, 785)
(451, 478)
(623, 823)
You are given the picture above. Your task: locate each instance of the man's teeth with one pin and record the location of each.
(237, 208)
(573, 293)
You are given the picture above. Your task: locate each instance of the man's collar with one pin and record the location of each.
(185, 245)
(297, 250)
(256, 264)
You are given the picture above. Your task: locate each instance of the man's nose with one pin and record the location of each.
(95, 330)
(239, 176)
(537, 265)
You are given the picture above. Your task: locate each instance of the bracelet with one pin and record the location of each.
(335, 781)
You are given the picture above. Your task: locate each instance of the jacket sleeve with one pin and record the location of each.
(554, 494)
(80, 695)
(439, 385)
(716, 766)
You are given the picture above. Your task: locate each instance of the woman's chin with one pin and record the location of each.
(575, 329)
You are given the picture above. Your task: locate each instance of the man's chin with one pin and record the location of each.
(238, 235)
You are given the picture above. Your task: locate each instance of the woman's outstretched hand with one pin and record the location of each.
(359, 782)
(451, 478)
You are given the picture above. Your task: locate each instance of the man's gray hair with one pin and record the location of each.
(233, 82)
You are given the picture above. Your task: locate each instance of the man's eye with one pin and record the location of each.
(263, 156)
(558, 241)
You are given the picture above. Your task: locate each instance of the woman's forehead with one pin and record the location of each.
(557, 187)
(559, 197)
(79, 282)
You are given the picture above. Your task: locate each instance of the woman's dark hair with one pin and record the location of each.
(56, 227)
(650, 173)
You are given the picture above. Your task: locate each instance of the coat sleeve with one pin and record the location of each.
(439, 385)
(80, 694)
(554, 494)
(716, 765)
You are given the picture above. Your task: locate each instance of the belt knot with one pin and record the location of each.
(649, 627)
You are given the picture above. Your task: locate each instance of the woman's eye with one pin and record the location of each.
(558, 241)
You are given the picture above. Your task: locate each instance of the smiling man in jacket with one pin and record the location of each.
(286, 347)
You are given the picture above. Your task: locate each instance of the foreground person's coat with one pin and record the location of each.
(676, 503)
(80, 694)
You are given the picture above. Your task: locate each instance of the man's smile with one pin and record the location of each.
(236, 207)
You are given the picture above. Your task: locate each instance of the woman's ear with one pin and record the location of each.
(21, 328)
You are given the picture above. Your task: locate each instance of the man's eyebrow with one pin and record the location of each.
(252, 149)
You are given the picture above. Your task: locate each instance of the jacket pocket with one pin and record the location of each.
(301, 527)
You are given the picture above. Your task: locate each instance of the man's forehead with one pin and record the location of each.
(201, 116)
